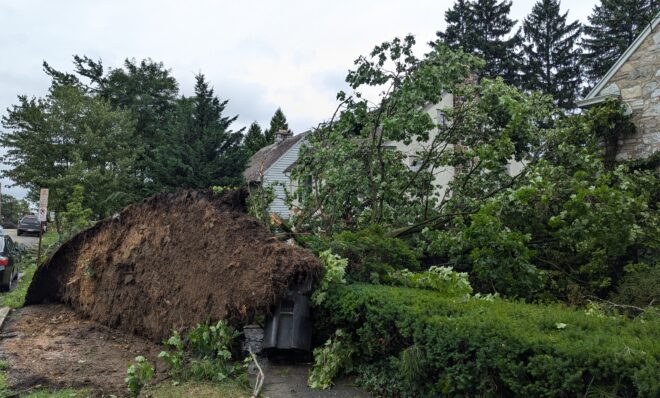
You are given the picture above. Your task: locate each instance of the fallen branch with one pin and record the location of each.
(259, 382)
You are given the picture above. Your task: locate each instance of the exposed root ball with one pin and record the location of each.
(172, 261)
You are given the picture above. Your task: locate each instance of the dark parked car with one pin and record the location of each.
(28, 224)
(10, 256)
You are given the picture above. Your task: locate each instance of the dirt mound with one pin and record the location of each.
(172, 261)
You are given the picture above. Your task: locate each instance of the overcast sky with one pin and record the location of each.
(258, 54)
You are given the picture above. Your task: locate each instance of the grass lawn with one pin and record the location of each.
(16, 297)
(228, 389)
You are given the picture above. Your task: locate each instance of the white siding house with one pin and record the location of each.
(412, 151)
(270, 167)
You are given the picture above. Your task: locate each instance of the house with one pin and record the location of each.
(635, 79)
(271, 167)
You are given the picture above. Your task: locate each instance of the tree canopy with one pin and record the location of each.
(120, 134)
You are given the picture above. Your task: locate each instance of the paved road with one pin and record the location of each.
(25, 239)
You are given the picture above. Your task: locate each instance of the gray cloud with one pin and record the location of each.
(258, 54)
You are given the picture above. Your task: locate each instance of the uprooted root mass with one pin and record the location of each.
(172, 261)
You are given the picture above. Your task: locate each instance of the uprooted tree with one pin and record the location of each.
(569, 224)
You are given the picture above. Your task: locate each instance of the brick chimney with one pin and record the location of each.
(282, 135)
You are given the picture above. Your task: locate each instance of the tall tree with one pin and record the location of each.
(551, 53)
(149, 91)
(483, 28)
(255, 138)
(206, 152)
(277, 122)
(613, 26)
(459, 32)
(13, 209)
(69, 138)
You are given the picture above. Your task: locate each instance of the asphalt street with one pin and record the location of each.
(29, 240)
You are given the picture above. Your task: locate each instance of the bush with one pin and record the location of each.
(440, 279)
(371, 254)
(138, 375)
(334, 270)
(329, 360)
(419, 343)
(640, 288)
(204, 355)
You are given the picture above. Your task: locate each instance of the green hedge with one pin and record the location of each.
(415, 343)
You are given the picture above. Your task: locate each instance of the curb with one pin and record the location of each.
(4, 311)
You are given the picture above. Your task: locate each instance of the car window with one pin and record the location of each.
(2, 245)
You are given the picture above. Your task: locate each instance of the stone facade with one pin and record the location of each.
(638, 84)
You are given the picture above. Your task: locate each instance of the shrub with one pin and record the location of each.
(138, 375)
(205, 353)
(639, 288)
(440, 279)
(419, 343)
(329, 360)
(371, 254)
(334, 270)
(76, 217)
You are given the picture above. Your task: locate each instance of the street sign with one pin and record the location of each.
(43, 205)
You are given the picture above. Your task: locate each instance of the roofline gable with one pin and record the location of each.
(590, 98)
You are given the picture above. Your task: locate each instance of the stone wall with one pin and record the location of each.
(638, 83)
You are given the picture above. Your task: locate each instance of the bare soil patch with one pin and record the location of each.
(50, 346)
(171, 262)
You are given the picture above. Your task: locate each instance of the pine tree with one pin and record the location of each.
(459, 27)
(277, 122)
(204, 151)
(551, 53)
(217, 156)
(613, 26)
(491, 27)
(483, 28)
(255, 138)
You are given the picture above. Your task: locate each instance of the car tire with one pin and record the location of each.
(19, 232)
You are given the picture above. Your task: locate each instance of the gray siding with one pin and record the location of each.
(275, 174)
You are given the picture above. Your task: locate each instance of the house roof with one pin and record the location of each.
(264, 158)
(593, 97)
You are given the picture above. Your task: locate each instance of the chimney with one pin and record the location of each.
(282, 135)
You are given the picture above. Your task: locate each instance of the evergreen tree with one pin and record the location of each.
(483, 28)
(459, 30)
(551, 55)
(277, 122)
(214, 155)
(613, 26)
(255, 138)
